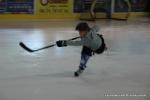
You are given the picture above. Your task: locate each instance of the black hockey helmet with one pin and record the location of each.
(82, 27)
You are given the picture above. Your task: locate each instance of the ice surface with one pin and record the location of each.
(48, 75)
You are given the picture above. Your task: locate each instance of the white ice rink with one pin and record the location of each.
(121, 73)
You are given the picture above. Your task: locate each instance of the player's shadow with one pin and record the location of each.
(64, 74)
(57, 75)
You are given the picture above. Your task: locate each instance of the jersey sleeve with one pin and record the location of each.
(74, 43)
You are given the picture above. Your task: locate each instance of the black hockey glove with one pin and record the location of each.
(61, 43)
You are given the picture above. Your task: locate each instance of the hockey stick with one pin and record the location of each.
(31, 50)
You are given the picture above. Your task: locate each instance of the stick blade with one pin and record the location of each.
(25, 47)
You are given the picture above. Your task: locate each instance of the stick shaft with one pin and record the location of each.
(30, 50)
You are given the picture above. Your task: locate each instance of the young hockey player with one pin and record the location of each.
(91, 42)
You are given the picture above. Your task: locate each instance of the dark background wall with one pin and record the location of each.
(105, 5)
(136, 5)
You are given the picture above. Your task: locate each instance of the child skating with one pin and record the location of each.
(91, 41)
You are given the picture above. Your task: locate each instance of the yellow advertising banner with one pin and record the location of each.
(54, 8)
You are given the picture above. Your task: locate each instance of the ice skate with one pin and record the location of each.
(78, 72)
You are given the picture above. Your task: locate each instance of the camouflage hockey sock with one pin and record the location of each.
(83, 61)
